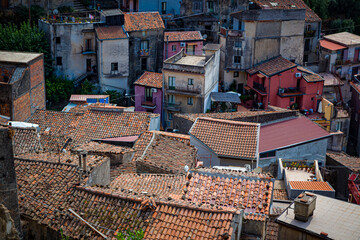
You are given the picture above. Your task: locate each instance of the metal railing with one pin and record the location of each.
(188, 89)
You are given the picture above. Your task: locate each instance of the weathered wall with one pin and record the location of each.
(204, 154)
(7, 226)
(8, 186)
(113, 51)
(35, 231)
(22, 111)
(100, 175)
(71, 47)
(290, 233)
(154, 58)
(211, 83)
(168, 48)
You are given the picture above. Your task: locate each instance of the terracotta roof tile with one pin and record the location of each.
(150, 79)
(308, 185)
(141, 143)
(272, 230)
(110, 32)
(331, 45)
(228, 138)
(26, 140)
(167, 154)
(139, 21)
(310, 15)
(179, 36)
(272, 66)
(103, 148)
(280, 194)
(346, 160)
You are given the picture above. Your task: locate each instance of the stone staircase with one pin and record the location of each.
(79, 7)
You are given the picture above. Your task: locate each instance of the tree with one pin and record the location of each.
(115, 96)
(58, 90)
(87, 87)
(26, 38)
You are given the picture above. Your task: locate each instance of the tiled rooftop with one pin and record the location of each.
(311, 185)
(227, 138)
(310, 15)
(140, 21)
(310, 76)
(353, 163)
(179, 36)
(141, 143)
(229, 191)
(272, 66)
(66, 158)
(150, 79)
(280, 194)
(158, 186)
(47, 190)
(168, 154)
(272, 230)
(26, 140)
(110, 32)
(103, 148)
(331, 45)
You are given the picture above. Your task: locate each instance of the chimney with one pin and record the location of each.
(84, 155)
(8, 186)
(304, 206)
(80, 158)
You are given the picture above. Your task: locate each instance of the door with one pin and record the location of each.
(88, 65)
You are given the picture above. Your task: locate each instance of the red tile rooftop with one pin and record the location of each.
(150, 79)
(122, 139)
(179, 36)
(141, 21)
(309, 185)
(289, 133)
(272, 66)
(110, 32)
(331, 45)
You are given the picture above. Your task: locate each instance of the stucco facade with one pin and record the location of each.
(72, 46)
(172, 48)
(110, 51)
(187, 85)
(140, 100)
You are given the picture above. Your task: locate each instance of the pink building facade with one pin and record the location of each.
(148, 93)
(281, 83)
(191, 41)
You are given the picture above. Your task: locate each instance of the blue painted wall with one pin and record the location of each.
(172, 6)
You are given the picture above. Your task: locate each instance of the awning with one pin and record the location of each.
(224, 97)
(331, 45)
(260, 75)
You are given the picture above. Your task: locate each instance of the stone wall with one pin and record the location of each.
(8, 186)
(7, 226)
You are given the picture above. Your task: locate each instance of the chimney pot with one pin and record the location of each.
(304, 206)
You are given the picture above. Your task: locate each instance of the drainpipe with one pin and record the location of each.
(167, 46)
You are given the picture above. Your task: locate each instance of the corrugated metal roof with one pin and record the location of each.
(287, 133)
(83, 98)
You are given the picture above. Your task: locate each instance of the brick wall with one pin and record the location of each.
(37, 97)
(37, 72)
(22, 108)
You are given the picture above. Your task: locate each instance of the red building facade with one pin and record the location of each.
(279, 82)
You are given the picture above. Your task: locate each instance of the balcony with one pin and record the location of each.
(346, 62)
(144, 52)
(88, 52)
(189, 90)
(172, 106)
(290, 92)
(259, 88)
(309, 33)
(149, 104)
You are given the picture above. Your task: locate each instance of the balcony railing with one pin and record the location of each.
(144, 52)
(259, 87)
(149, 104)
(172, 106)
(346, 62)
(287, 92)
(189, 89)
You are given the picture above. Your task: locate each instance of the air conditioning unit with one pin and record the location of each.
(182, 44)
(154, 90)
(297, 75)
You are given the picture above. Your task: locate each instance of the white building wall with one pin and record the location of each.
(113, 51)
(211, 79)
(204, 154)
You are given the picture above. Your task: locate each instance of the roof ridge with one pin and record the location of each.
(174, 135)
(229, 121)
(43, 161)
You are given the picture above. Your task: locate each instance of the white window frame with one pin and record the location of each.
(171, 98)
(172, 81)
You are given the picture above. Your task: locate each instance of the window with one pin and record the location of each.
(88, 44)
(144, 45)
(236, 74)
(268, 154)
(238, 43)
(114, 66)
(163, 7)
(148, 94)
(190, 101)
(196, 6)
(210, 5)
(171, 82)
(173, 48)
(291, 99)
(143, 64)
(59, 61)
(171, 99)
(308, 27)
(170, 116)
(190, 81)
(58, 40)
(338, 126)
(237, 59)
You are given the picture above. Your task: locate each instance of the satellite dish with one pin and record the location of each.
(204, 36)
(56, 11)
